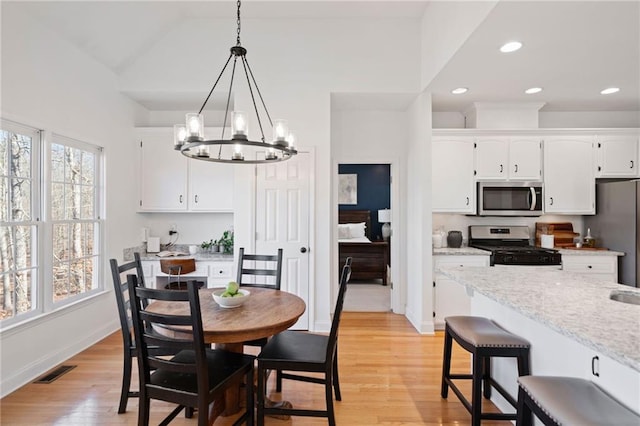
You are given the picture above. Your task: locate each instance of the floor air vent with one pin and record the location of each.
(55, 374)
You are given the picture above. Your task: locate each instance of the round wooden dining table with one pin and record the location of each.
(265, 313)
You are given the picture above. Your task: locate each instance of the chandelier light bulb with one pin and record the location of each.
(280, 130)
(195, 126)
(237, 152)
(291, 139)
(179, 135)
(239, 124)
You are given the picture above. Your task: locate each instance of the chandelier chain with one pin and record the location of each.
(238, 22)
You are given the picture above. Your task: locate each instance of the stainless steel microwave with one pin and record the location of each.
(510, 198)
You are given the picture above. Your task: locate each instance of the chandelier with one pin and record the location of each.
(190, 140)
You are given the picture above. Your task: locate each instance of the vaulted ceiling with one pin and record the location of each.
(571, 49)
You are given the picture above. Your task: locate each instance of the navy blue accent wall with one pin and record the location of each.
(374, 191)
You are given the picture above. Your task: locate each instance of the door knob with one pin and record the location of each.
(303, 249)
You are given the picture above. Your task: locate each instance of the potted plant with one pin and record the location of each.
(226, 242)
(215, 247)
(206, 245)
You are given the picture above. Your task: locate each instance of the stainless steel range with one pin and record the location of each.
(510, 245)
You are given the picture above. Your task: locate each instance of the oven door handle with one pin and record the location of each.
(534, 199)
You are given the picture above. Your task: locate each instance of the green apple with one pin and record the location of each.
(232, 287)
(226, 294)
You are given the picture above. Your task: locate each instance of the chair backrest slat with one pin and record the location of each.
(337, 313)
(121, 290)
(268, 268)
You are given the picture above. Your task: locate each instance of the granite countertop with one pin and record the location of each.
(462, 251)
(587, 252)
(183, 248)
(575, 305)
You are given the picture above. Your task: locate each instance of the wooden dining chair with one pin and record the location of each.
(197, 375)
(301, 352)
(124, 312)
(267, 274)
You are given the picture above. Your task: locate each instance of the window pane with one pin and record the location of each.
(76, 278)
(23, 291)
(72, 201)
(60, 242)
(4, 199)
(21, 156)
(7, 295)
(20, 201)
(6, 248)
(89, 281)
(88, 239)
(57, 163)
(75, 239)
(72, 165)
(88, 168)
(57, 201)
(60, 281)
(87, 202)
(4, 152)
(23, 235)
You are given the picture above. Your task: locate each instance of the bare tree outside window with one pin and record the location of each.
(18, 231)
(74, 220)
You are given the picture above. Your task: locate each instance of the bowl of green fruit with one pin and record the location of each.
(231, 296)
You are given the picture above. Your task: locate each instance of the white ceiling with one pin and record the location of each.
(571, 49)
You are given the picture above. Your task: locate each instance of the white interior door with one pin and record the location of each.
(282, 221)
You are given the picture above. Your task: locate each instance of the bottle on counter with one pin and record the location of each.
(589, 241)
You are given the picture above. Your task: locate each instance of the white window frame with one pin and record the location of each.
(37, 299)
(42, 246)
(49, 140)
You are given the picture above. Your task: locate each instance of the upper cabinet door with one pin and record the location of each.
(492, 158)
(210, 186)
(163, 172)
(525, 159)
(569, 181)
(453, 185)
(617, 156)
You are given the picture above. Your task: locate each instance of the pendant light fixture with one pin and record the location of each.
(189, 138)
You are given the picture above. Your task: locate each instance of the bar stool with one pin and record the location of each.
(569, 401)
(484, 339)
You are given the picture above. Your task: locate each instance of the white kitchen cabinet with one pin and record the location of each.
(617, 156)
(569, 177)
(604, 266)
(508, 158)
(216, 273)
(451, 298)
(163, 172)
(453, 184)
(170, 182)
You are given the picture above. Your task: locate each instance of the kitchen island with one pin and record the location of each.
(575, 329)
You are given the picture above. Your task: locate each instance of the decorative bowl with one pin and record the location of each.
(230, 302)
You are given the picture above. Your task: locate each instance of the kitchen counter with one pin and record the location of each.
(128, 255)
(462, 251)
(574, 305)
(588, 252)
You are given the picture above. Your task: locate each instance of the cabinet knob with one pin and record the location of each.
(180, 199)
(550, 201)
(516, 170)
(303, 249)
(589, 267)
(196, 198)
(467, 200)
(595, 366)
(631, 164)
(501, 168)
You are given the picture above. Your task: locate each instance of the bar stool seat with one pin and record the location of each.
(484, 339)
(569, 401)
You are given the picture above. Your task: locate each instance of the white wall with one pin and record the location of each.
(296, 76)
(48, 84)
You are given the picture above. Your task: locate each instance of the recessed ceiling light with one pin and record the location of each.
(533, 90)
(459, 90)
(610, 90)
(512, 46)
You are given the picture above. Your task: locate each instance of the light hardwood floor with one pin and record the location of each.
(389, 375)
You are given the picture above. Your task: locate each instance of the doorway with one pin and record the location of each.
(364, 196)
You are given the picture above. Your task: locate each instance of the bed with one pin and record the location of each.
(369, 258)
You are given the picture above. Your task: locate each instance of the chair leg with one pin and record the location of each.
(329, 397)
(486, 376)
(278, 381)
(261, 395)
(336, 379)
(524, 416)
(250, 399)
(476, 390)
(523, 363)
(143, 409)
(446, 363)
(126, 382)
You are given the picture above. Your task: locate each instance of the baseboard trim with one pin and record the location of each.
(50, 359)
(422, 327)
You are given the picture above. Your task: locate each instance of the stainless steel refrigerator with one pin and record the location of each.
(616, 225)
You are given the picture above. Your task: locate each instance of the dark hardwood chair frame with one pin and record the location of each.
(275, 272)
(196, 375)
(304, 352)
(126, 324)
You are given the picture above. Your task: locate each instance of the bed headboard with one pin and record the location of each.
(356, 216)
